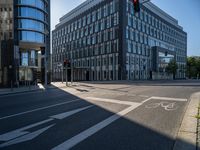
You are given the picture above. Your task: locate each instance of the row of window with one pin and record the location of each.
(31, 13)
(29, 36)
(31, 24)
(28, 58)
(100, 25)
(96, 15)
(153, 21)
(87, 41)
(136, 48)
(154, 32)
(5, 9)
(104, 48)
(105, 60)
(36, 3)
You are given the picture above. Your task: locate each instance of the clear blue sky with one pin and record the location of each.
(187, 12)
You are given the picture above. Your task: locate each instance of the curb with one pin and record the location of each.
(186, 138)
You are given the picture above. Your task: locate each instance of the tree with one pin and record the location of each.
(198, 67)
(193, 67)
(172, 68)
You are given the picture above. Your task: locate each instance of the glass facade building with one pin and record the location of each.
(106, 40)
(31, 27)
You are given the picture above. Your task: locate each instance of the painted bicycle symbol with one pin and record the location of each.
(166, 105)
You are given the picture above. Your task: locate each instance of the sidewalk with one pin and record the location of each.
(187, 138)
(7, 91)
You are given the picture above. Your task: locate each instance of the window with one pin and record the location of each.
(31, 36)
(24, 58)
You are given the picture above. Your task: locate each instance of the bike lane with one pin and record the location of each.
(153, 126)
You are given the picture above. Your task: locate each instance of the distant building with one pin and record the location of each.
(24, 25)
(106, 40)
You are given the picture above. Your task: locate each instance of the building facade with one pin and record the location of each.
(24, 30)
(106, 40)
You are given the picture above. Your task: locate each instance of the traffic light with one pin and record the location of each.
(66, 63)
(42, 50)
(136, 5)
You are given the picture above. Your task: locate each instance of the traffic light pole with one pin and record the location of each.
(66, 75)
(71, 68)
(62, 73)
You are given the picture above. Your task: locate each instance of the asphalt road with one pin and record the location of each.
(119, 116)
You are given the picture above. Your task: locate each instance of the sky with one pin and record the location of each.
(187, 12)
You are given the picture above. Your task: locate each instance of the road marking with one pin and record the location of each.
(166, 105)
(19, 132)
(165, 98)
(143, 96)
(27, 137)
(111, 101)
(20, 93)
(20, 135)
(144, 101)
(92, 130)
(169, 99)
(67, 114)
(37, 109)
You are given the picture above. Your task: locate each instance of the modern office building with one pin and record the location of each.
(107, 40)
(24, 33)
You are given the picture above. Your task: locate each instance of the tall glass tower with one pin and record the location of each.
(31, 42)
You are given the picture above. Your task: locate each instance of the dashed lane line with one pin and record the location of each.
(38, 109)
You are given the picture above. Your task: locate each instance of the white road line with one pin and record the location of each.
(19, 132)
(20, 93)
(110, 100)
(37, 109)
(143, 96)
(146, 99)
(69, 113)
(92, 130)
(169, 99)
(27, 137)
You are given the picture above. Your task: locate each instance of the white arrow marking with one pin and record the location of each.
(27, 137)
(19, 132)
(69, 113)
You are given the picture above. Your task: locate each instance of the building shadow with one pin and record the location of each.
(125, 133)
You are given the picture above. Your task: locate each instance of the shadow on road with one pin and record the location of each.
(91, 129)
(121, 134)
